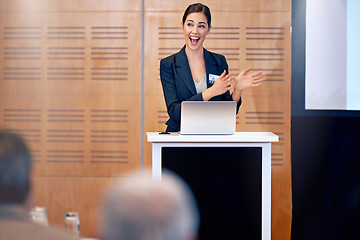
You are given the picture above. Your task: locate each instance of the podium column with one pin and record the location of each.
(238, 140)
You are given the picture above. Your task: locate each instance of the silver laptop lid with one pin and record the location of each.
(211, 117)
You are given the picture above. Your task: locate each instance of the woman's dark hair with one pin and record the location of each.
(198, 7)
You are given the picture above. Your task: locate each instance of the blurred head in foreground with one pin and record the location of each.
(140, 208)
(16, 191)
(15, 166)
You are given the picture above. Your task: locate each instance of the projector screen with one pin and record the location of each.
(332, 81)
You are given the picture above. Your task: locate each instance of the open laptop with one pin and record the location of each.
(211, 117)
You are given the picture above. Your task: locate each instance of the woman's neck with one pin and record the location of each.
(194, 54)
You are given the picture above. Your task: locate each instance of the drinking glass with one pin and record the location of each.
(72, 223)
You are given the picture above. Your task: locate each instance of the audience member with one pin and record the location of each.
(140, 208)
(15, 193)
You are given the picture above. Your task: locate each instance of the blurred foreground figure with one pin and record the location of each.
(140, 208)
(15, 193)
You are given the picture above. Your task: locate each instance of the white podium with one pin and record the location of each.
(237, 140)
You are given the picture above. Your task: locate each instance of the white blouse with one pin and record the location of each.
(201, 86)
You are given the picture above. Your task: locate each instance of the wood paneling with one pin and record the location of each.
(224, 5)
(281, 216)
(70, 5)
(71, 86)
(254, 34)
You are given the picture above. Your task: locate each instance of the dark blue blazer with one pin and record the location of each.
(178, 84)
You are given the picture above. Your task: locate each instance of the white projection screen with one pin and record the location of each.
(332, 81)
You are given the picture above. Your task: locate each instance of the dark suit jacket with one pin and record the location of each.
(178, 84)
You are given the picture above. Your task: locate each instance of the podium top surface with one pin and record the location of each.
(237, 137)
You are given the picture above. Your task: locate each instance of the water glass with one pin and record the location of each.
(72, 223)
(39, 215)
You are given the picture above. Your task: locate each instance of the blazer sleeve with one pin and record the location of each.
(173, 95)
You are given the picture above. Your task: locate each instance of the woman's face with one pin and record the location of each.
(195, 30)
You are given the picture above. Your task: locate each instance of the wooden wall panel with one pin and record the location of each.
(224, 5)
(104, 49)
(71, 86)
(23, 6)
(21, 53)
(253, 34)
(76, 70)
(280, 205)
(95, 5)
(70, 5)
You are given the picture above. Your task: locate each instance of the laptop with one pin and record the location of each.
(211, 117)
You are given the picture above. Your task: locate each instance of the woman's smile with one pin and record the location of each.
(194, 40)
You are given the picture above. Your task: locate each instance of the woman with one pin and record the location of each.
(195, 74)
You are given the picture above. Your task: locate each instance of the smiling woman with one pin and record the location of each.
(196, 74)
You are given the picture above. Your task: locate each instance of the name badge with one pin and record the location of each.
(213, 78)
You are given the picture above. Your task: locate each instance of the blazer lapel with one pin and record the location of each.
(211, 66)
(183, 70)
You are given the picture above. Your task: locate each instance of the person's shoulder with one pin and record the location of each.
(172, 58)
(23, 229)
(52, 232)
(217, 56)
(169, 59)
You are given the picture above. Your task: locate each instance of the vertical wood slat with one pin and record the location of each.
(71, 86)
